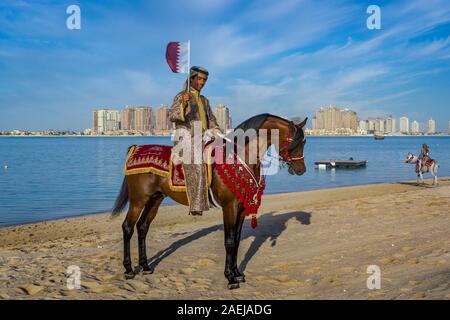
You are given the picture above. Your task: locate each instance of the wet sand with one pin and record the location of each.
(308, 245)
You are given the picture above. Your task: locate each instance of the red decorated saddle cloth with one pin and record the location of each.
(239, 178)
(157, 159)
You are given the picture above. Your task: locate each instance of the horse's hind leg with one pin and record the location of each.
(134, 211)
(434, 173)
(147, 216)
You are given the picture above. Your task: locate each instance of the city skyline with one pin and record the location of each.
(329, 119)
(143, 119)
(320, 53)
(159, 121)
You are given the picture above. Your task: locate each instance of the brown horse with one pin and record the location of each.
(146, 191)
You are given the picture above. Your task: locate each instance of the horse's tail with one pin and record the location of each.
(121, 200)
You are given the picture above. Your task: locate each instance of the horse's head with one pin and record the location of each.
(409, 157)
(292, 150)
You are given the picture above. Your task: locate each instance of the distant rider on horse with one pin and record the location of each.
(424, 156)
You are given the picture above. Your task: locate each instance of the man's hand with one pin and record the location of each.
(214, 132)
(186, 97)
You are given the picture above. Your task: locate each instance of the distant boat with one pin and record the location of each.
(349, 164)
(378, 137)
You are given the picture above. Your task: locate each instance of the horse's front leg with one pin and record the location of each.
(147, 216)
(229, 221)
(240, 276)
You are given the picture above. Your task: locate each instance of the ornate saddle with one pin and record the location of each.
(428, 161)
(238, 177)
(157, 159)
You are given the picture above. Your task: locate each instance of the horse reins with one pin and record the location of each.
(284, 151)
(290, 140)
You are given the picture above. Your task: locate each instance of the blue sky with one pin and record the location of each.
(284, 57)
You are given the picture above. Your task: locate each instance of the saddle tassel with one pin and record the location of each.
(254, 221)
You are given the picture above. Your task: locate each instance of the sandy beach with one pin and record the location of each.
(308, 245)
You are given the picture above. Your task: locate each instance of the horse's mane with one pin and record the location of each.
(254, 123)
(257, 121)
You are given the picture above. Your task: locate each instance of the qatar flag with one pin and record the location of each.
(177, 56)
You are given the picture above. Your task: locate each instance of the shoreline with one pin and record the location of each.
(162, 136)
(82, 136)
(308, 245)
(287, 193)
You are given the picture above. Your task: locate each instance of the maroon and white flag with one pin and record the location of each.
(177, 56)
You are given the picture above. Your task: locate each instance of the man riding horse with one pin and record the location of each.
(190, 107)
(424, 156)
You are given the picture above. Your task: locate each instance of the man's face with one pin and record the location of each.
(199, 81)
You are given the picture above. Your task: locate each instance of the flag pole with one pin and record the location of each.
(189, 61)
(189, 74)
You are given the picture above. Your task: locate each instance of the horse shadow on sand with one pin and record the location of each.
(417, 184)
(270, 227)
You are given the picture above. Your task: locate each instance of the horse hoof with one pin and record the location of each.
(232, 286)
(129, 275)
(147, 272)
(240, 278)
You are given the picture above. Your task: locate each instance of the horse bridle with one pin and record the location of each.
(409, 158)
(292, 143)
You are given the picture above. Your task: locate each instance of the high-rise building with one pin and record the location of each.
(333, 118)
(362, 125)
(431, 126)
(415, 127)
(143, 119)
(381, 128)
(390, 126)
(314, 123)
(348, 120)
(320, 123)
(222, 114)
(95, 121)
(127, 119)
(105, 120)
(372, 125)
(404, 125)
(162, 118)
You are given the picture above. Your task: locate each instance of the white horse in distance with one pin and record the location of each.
(430, 166)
